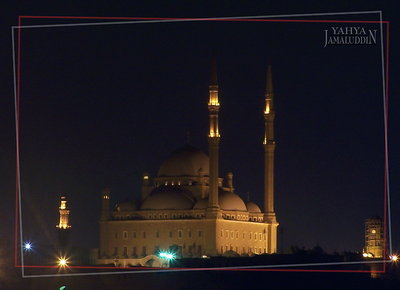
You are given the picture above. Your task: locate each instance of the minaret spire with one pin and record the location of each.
(214, 78)
(269, 112)
(213, 140)
(269, 89)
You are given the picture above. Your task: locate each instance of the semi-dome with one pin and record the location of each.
(230, 201)
(201, 204)
(252, 207)
(168, 197)
(126, 205)
(186, 161)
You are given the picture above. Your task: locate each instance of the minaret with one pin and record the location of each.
(146, 185)
(104, 224)
(229, 181)
(63, 225)
(105, 205)
(64, 214)
(269, 154)
(213, 141)
(269, 148)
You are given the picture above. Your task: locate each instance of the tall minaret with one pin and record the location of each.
(63, 225)
(213, 140)
(269, 151)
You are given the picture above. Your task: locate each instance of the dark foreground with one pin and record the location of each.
(211, 279)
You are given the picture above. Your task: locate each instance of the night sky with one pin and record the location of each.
(99, 105)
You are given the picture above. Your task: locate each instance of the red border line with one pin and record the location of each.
(198, 19)
(17, 144)
(205, 19)
(386, 144)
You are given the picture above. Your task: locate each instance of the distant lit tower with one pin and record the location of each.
(374, 238)
(105, 205)
(213, 143)
(63, 225)
(105, 216)
(269, 154)
(64, 214)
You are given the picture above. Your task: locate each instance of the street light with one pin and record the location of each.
(27, 246)
(62, 262)
(367, 255)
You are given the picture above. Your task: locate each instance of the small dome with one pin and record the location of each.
(201, 204)
(168, 197)
(230, 253)
(186, 161)
(230, 201)
(126, 205)
(252, 207)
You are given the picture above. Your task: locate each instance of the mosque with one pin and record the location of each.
(188, 209)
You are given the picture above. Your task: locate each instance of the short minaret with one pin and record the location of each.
(105, 205)
(229, 181)
(213, 140)
(146, 185)
(269, 154)
(64, 214)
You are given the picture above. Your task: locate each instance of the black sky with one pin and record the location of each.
(101, 104)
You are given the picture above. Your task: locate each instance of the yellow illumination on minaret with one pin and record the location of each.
(213, 96)
(213, 142)
(64, 214)
(267, 106)
(213, 103)
(105, 205)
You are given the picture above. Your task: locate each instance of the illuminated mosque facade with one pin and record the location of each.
(189, 209)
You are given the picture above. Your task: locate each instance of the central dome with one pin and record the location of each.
(168, 197)
(186, 161)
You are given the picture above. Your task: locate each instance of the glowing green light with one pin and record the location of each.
(166, 255)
